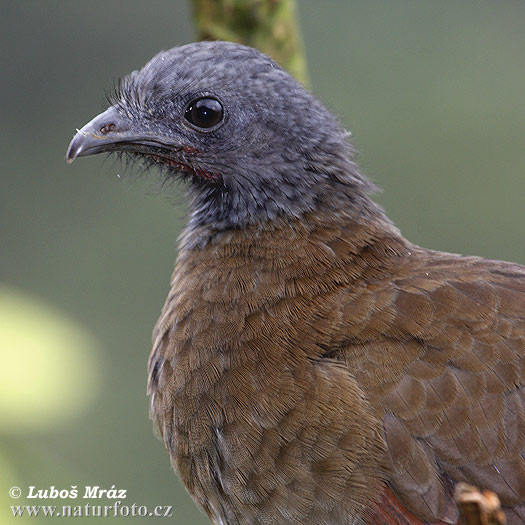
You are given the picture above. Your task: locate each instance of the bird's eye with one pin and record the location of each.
(204, 112)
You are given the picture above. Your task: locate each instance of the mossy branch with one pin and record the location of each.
(268, 25)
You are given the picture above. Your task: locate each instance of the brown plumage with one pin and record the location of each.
(321, 369)
(348, 355)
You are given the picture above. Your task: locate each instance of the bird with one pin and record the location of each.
(310, 364)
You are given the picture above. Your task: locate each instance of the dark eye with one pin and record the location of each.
(204, 112)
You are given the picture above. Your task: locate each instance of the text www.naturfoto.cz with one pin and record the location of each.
(88, 510)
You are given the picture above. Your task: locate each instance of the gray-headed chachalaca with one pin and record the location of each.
(311, 365)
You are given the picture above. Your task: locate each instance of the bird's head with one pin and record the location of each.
(252, 142)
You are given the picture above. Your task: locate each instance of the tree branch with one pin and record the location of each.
(268, 25)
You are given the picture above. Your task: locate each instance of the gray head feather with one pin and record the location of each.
(277, 152)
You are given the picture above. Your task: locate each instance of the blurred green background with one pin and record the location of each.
(434, 93)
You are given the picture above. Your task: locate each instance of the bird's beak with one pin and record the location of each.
(110, 131)
(101, 134)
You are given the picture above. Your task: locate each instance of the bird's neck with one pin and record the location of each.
(332, 204)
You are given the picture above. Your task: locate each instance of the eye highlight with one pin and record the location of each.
(204, 112)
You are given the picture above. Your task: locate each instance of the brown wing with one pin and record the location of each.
(441, 352)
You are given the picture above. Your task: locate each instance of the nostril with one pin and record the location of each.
(107, 128)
